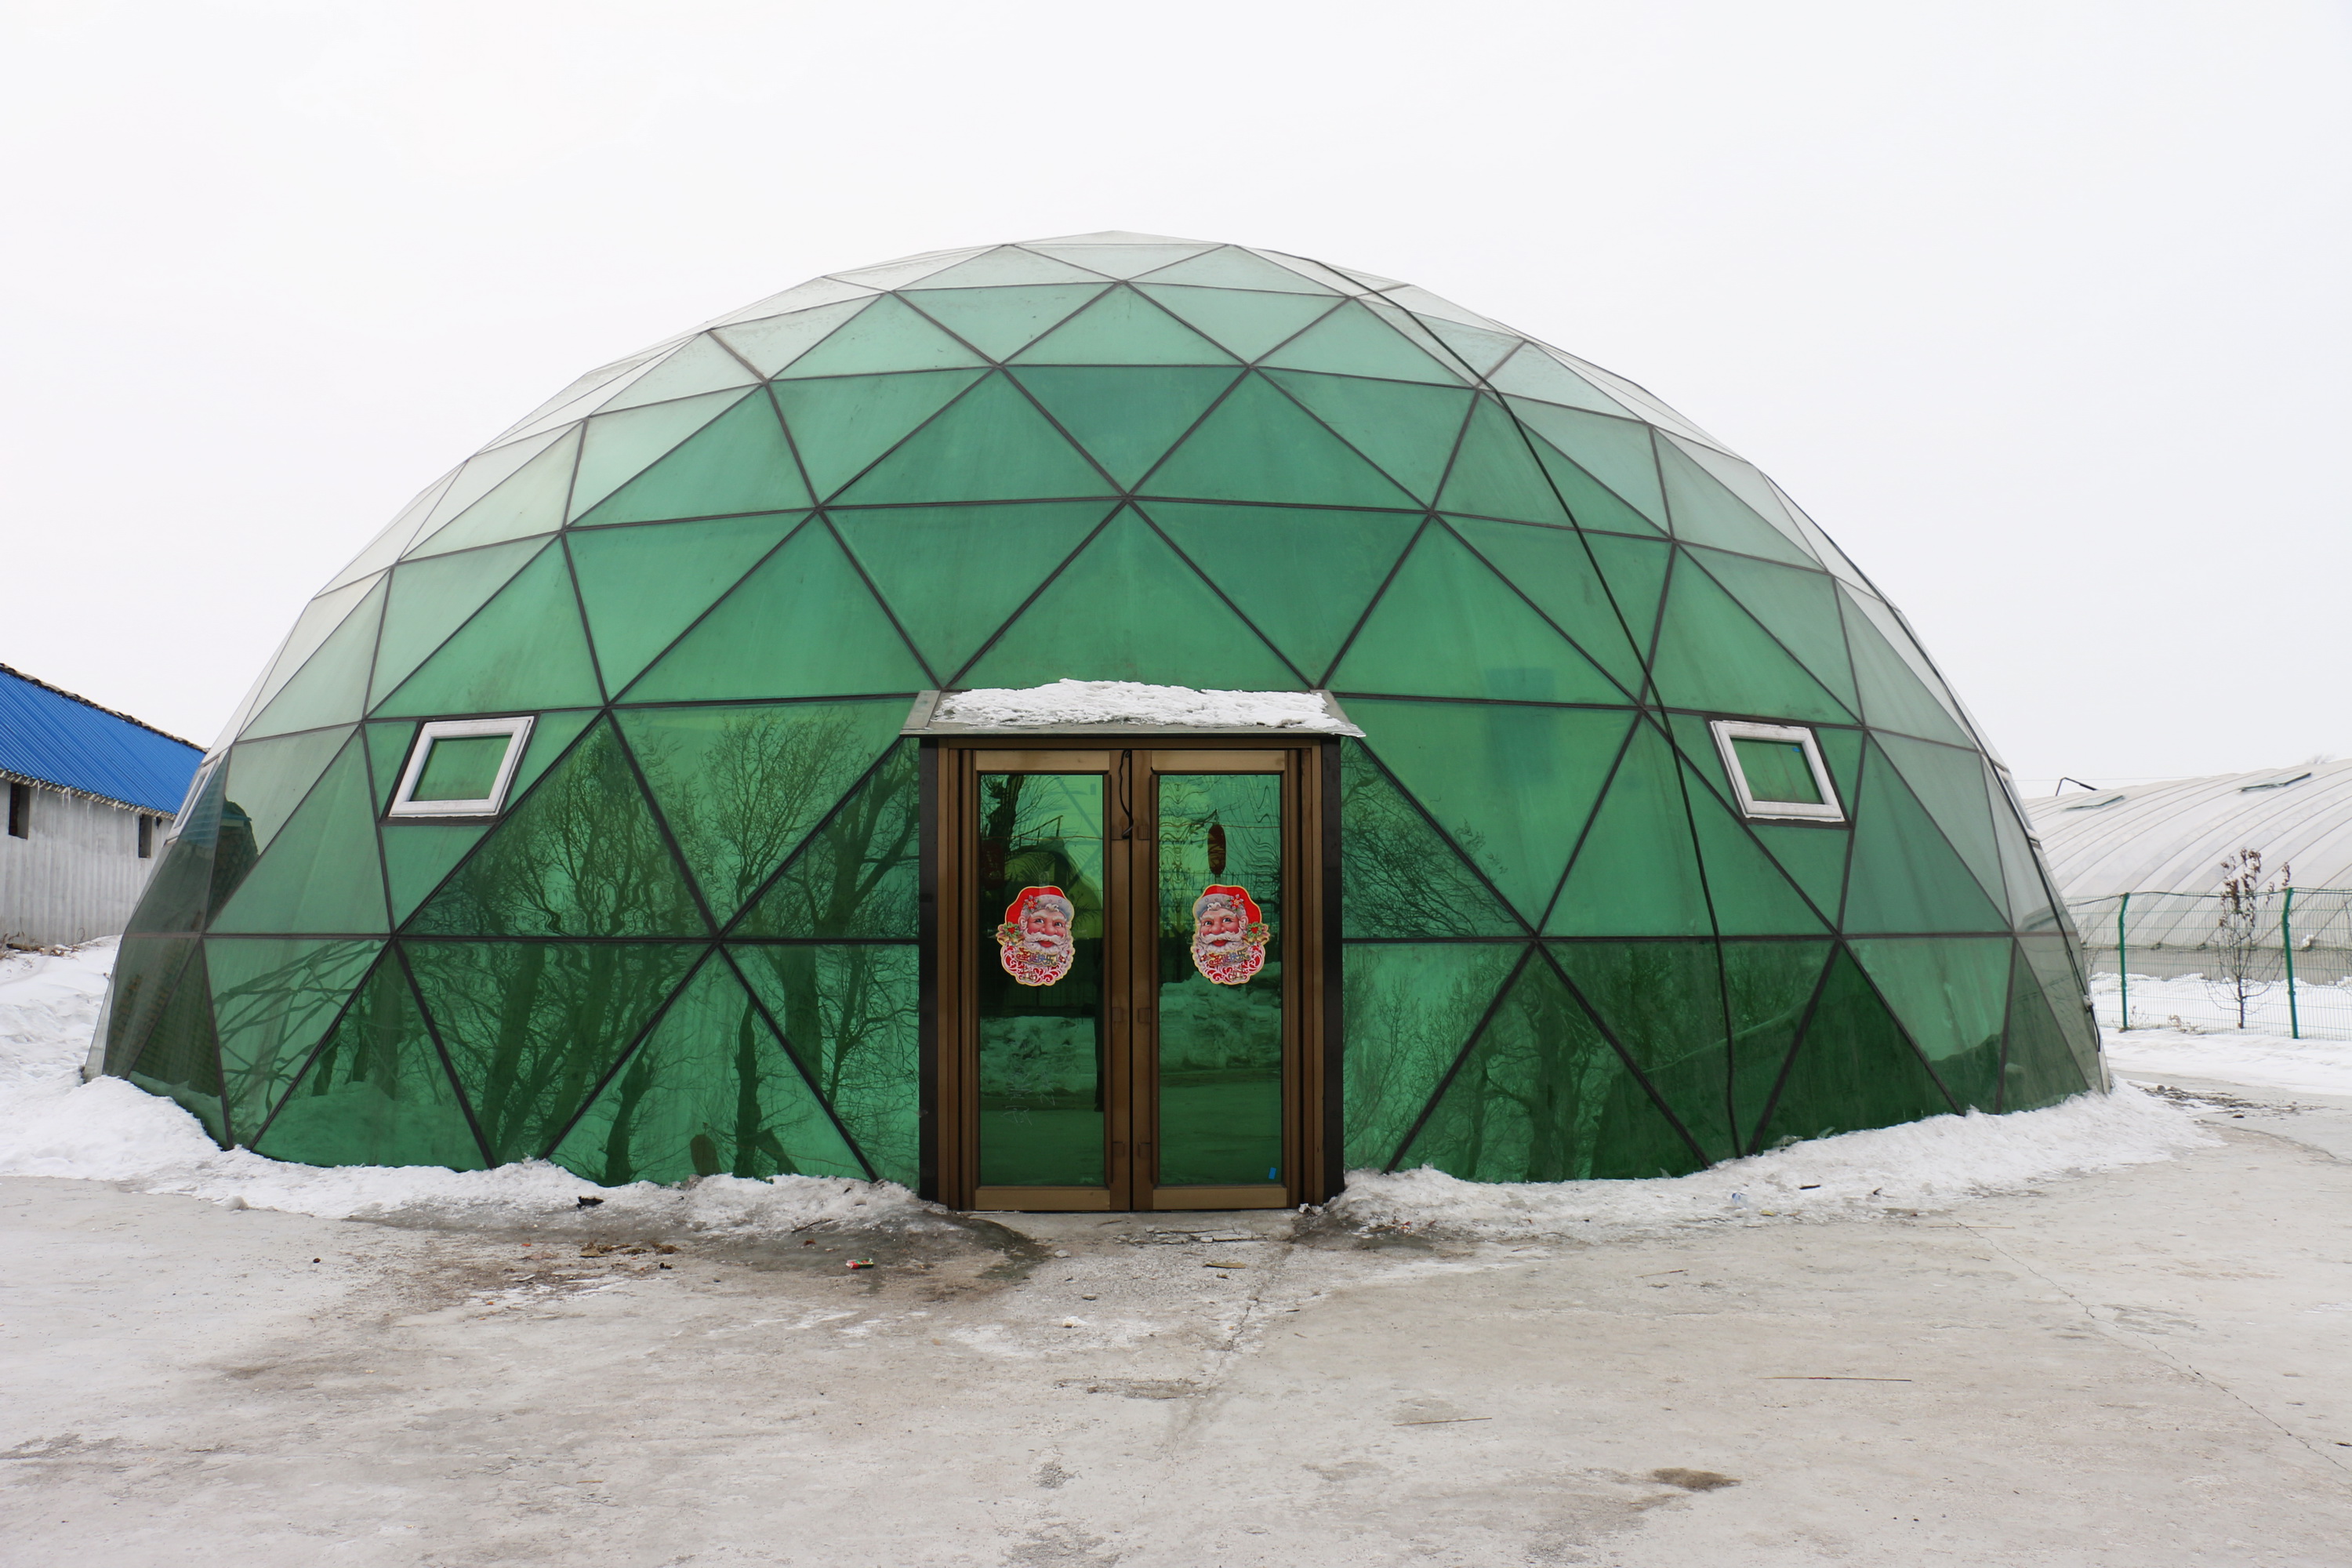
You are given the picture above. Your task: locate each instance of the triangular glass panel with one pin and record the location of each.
(1555, 568)
(431, 598)
(1712, 656)
(1400, 878)
(852, 1014)
(1636, 873)
(332, 686)
(953, 575)
(1009, 264)
(1510, 786)
(1742, 480)
(740, 787)
(1854, 1069)
(179, 893)
(1663, 1002)
(887, 335)
(1230, 267)
(1771, 985)
(384, 547)
(1000, 322)
(1129, 608)
(858, 874)
(1703, 513)
(775, 342)
(1246, 324)
(1125, 417)
(1615, 452)
(320, 618)
(1351, 341)
(1642, 402)
(483, 472)
(376, 1092)
(522, 652)
(1590, 504)
(273, 999)
(738, 462)
(702, 365)
(1951, 783)
(418, 856)
(1422, 302)
(1123, 328)
(2030, 907)
(1492, 644)
(532, 1026)
(1799, 607)
(1811, 854)
(321, 874)
(1951, 993)
(1497, 474)
(178, 1056)
(1313, 271)
(1304, 576)
(1893, 695)
(991, 444)
(908, 269)
(1411, 1007)
(529, 503)
(798, 299)
(1906, 876)
(839, 427)
(617, 448)
(146, 968)
(390, 742)
(1120, 260)
(2041, 1067)
(2062, 988)
(1408, 430)
(1889, 625)
(711, 1093)
(1475, 347)
(1533, 374)
(267, 779)
(803, 624)
(643, 587)
(1746, 888)
(581, 855)
(1822, 548)
(1257, 445)
(1542, 1097)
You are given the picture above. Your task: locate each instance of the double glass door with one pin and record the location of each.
(1122, 1014)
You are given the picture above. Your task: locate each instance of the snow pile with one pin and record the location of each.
(2248, 1056)
(52, 1124)
(1131, 703)
(1922, 1165)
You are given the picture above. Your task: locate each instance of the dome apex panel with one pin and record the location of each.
(1663, 840)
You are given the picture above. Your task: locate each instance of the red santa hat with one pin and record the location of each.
(1249, 905)
(1019, 906)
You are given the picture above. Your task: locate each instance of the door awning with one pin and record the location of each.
(1124, 708)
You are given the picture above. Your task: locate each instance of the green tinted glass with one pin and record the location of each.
(1220, 1008)
(376, 1092)
(1041, 979)
(1411, 1009)
(1776, 770)
(851, 1015)
(272, 1001)
(461, 767)
(1398, 876)
(855, 875)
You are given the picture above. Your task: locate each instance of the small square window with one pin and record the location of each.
(1777, 772)
(460, 767)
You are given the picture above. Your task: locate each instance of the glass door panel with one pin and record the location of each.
(1220, 1003)
(1041, 1007)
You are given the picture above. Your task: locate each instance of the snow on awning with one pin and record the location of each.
(1122, 707)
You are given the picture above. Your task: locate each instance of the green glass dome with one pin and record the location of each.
(1664, 842)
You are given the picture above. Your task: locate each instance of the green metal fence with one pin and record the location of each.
(2179, 960)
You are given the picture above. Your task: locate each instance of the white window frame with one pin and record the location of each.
(1729, 729)
(517, 731)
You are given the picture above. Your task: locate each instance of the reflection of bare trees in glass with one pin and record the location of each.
(1399, 878)
(269, 1020)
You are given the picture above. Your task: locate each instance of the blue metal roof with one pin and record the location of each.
(55, 737)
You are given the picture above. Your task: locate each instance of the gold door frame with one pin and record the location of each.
(1308, 945)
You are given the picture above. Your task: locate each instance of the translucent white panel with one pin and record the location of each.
(484, 472)
(701, 366)
(1422, 302)
(906, 268)
(1008, 264)
(1231, 267)
(1531, 373)
(319, 619)
(1370, 279)
(1479, 348)
(619, 447)
(385, 547)
(1634, 397)
(775, 342)
(1120, 260)
(602, 376)
(1413, 327)
(531, 502)
(799, 297)
(1314, 271)
(1116, 236)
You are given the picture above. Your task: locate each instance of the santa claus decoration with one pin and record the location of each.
(1034, 943)
(1229, 935)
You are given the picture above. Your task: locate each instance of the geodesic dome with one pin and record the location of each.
(1664, 843)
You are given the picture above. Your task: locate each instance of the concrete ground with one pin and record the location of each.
(2144, 1368)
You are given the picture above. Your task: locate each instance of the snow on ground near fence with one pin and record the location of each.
(52, 1124)
(2193, 1002)
(1131, 703)
(2182, 1025)
(1921, 1164)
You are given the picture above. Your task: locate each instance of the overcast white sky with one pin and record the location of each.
(2041, 309)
